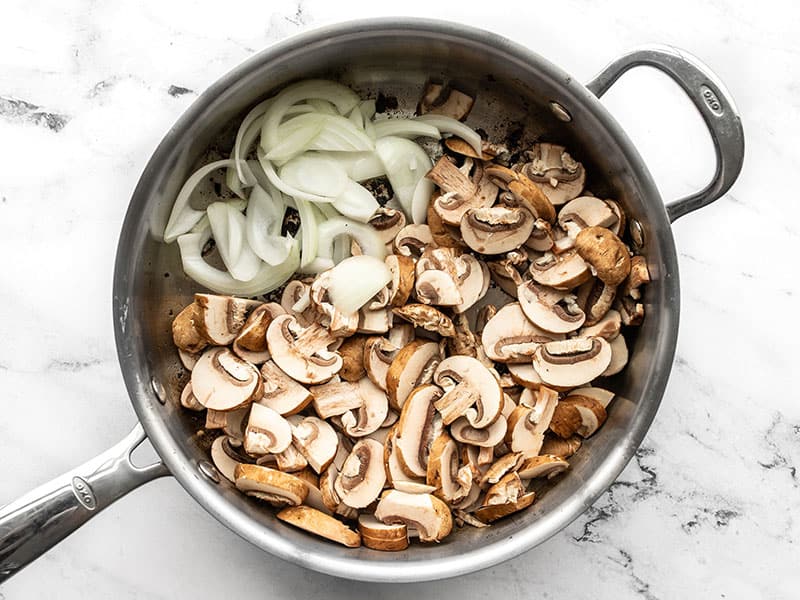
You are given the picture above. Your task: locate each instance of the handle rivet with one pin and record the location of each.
(208, 471)
(561, 113)
(637, 234)
(159, 390)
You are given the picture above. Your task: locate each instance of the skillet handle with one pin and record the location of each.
(37, 521)
(711, 99)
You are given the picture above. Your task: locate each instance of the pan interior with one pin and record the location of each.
(513, 88)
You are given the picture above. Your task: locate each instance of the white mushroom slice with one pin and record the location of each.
(545, 465)
(221, 318)
(402, 283)
(282, 393)
(251, 343)
(504, 465)
(573, 362)
(419, 425)
(437, 287)
(550, 309)
(604, 397)
(401, 334)
(361, 479)
(317, 441)
(370, 415)
(466, 382)
(451, 483)
(440, 100)
(395, 474)
(413, 487)
(378, 355)
(639, 276)
(488, 437)
(427, 514)
(473, 281)
(529, 421)
(267, 431)
(619, 225)
(380, 434)
(541, 238)
(188, 359)
(460, 192)
(376, 321)
(188, 399)
(562, 272)
(607, 328)
(412, 366)
(226, 458)
(510, 337)
(338, 322)
(296, 300)
(302, 353)
(412, 240)
(583, 212)
(619, 356)
(316, 522)
(561, 177)
(496, 229)
(290, 460)
(427, 317)
(380, 536)
(525, 375)
(223, 381)
(314, 498)
(335, 398)
(275, 487)
(185, 331)
(505, 275)
(387, 222)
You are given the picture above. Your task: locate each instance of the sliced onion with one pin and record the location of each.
(228, 230)
(267, 279)
(248, 132)
(372, 275)
(450, 125)
(356, 118)
(360, 166)
(183, 216)
(420, 200)
(367, 108)
(405, 163)
(322, 106)
(264, 220)
(310, 236)
(296, 136)
(356, 202)
(340, 135)
(365, 236)
(315, 175)
(409, 128)
(279, 183)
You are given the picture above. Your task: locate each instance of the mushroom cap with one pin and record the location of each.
(496, 229)
(412, 366)
(562, 448)
(530, 195)
(387, 222)
(302, 353)
(270, 485)
(362, 476)
(602, 249)
(417, 428)
(562, 272)
(494, 512)
(550, 309)
(544, 465)
(592, 413)
(317, 442)
(510, 337)
(525, 375)
(381, 536)
(267, 431)
(378, 355)
(188, 399)
(573, 362)
(583, 212)
(566, 420)
(282, 393)
(223, 381)
(220, 318)
(352, 353)
(488, 437)
(251, 343)
(466, 381)
(317, 522)
(402, 283)
(427, 514)
(411, 240)
(185, 333)
(603, 396)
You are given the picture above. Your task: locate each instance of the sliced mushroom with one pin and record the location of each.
(573, 362)
(545, 465)
(338, 323)
(561, 177)
(380, 536)
(443, 235)
(401, 334)
(282, 393)
(525, 375)
(352, 353)
(496, 229)
(189, 400)
(412, 240)
(583, 212)
(275, 487)
(462, 192)
(267, 431)
(558, 447)
(504, 498)
(563, 272)
(225, 457)
(387, 222)
(541, 238)
(427, 514)
(317, 441)
(530, 195)
(639, 276)
(223, 381)
(505, 275)
(185, 332)
(510, 337)
(530, 420)
(592, 413)
(412, 366)
(251, 343)
(395, 473)
(436, 280)
(595, 298)
(427, 317)
(566, 420)
(466, 382)
(402, 283)
(452, 484)
(607, 328)
(317, 522)
(418, 427)
(550, 309)
(457, 145)
(362, 476)
(604, 397)
(370, 414)
(619, 356)
(630, 311)
(466, 343)
(607, 254)
(377, 356)
(509, 463)
(438, 99)
(188, 359)
(296, 300)
(302, 353)
(473, 281)
(220, 318)
(488, 437)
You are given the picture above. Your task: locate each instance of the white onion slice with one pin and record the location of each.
(360, 166)
(365, 236)
(296, 136)
(267, 279)
(356, 202)
(322, 106)
(408, 128)
(228, 230)
(420, 200)
(264, 219)
(287, 189)
(356, 118)
(309, 236)
(315, 175)
(367, 108)
(405, 163)
(371, 275)
(340, 135)
(183, 217)
(450, 125)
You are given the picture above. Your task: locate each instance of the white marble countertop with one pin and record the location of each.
(709, 506)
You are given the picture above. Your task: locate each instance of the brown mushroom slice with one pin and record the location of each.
(185, 332)
(583, 212)
(566, 420)
(412, 240)
(544, 465)
(387, 222)
(550, 309)
(441, 100)
(510, 337)
(562, 272)
(462, 147)
(335, 398)
(562, 178)
(638, 276)
(352, 353)
(362, 476)
(427, 318)
(426, 513)
(603, 396)
(443, 235)
(418, 426)
(530, 195)
(270, 485)
(488, 437)
(225, 457)
(496, 229)
(541, 238)
(395, 474)
(314, 497)
(505, 275)
(607, 254)
(402, 283)
(592, 413)
(378, 355)
(317, 441)
(630, 311)
(412, 366)
(370, 414)
(282, 393)
(525, 375)
(380, 536)
(451, 483)
(607, 328)
(473, 281)
(223, 381)
(559, 447)
(462, 193)
(504, 503)
(523, 436)
(573, 362)
(290, 460)
(619, 356)
(267, 431)
(251, 343)
(189, 400)
(467, 382)
(596, 299)
(317, 522)
(219, 319)
(466, 343)
(504, 465)
(302, 353)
